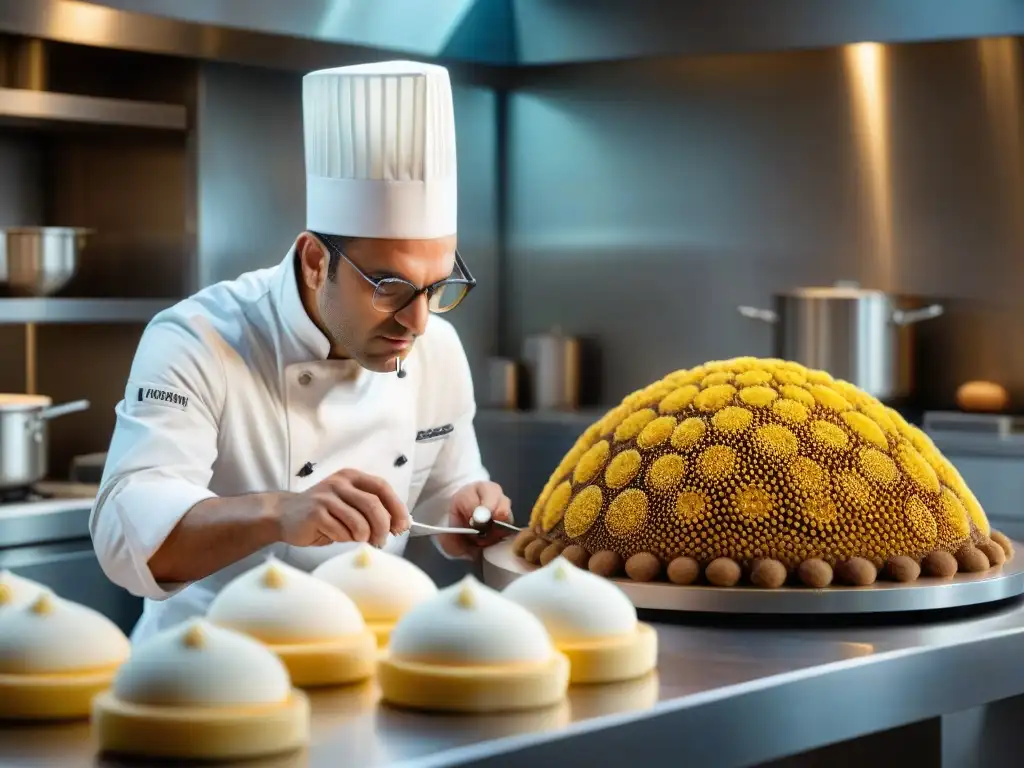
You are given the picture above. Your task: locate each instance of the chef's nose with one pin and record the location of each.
(414, 317)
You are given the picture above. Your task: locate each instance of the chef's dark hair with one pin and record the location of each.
(336, 245)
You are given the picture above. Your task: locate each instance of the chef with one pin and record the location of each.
(311, 405)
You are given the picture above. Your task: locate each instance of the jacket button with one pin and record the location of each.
(305, 377)
(400, 461)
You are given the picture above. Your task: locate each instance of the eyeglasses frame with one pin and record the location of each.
(469, 281)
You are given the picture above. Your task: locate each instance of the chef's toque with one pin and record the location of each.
(380, 151)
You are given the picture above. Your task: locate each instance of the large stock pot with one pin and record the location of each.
(862, 336)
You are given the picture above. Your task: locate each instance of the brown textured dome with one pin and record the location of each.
(763, 468)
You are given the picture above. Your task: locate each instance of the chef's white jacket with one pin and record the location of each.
(231, 392)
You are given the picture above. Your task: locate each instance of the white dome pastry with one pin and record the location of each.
(16, 590)
(590, 619)
(55, 656)
(315, 629)
(384, 586)
(469, 649)
(201, 692)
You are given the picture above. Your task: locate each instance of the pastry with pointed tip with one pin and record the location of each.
(201, 692)
(16, 590)
(55, 656)
(315, 629)
(590, 620)
(469, 649)
(384, 586)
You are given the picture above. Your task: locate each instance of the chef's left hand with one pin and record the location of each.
(482, 494)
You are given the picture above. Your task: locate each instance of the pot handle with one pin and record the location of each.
(911, 316)
(764, 315)
(62, 410)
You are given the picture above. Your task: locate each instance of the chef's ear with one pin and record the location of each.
(313, 260)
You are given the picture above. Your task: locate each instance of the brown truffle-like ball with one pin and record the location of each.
(533, 550)
(769, 574)
(815, 573)
(939, 564)
(857, 572)
(643, 566)
(723, 572)
(683, 571)
(551, 551)
(605, 563)
(970, 559)
(576, 555)
(522, 541)
(995, 554)
(1003, 541)
(902, 568)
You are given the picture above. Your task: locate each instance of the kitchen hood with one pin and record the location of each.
(502, 33)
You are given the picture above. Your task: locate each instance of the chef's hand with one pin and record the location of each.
(346, 506)
(482, 494)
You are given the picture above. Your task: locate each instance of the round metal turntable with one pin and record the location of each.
(501, 567)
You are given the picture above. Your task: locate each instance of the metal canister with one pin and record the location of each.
(552, 362)
(502, 384)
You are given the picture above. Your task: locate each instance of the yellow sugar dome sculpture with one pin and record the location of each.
(384, 586)
(469, 649)
(55, 656)
(315, 629)
(590, 620)
(762, 470)
(197, 691)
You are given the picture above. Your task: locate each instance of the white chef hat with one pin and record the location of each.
(380, 151)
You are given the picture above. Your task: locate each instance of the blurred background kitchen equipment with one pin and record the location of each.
(24, 437)
(87, 468)
(39, 261)
(860, 335)
(503, 384)
(552, 363)
(23, 63)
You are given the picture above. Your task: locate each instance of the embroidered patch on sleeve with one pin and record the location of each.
(164, 396)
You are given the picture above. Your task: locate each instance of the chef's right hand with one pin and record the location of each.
(346, 506)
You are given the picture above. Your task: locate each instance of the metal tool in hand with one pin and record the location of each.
(481, 522)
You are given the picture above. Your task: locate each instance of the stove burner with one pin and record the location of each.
(21, 495)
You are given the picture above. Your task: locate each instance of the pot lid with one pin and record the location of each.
(17, 402)
(842, 289)
(46, 231)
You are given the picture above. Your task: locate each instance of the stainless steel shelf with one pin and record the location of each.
(20, 106)
(18, 311)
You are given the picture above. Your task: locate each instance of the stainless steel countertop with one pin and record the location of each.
(774, 690)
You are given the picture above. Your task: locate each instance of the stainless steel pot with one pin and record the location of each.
(859, 335)
(39, 261)
(24, 438)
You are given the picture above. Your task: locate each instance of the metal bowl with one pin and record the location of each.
(39, 261)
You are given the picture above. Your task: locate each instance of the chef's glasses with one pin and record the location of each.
(393, 294)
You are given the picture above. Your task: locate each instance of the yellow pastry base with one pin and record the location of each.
(51, 697)
(382, 629)
(473, 690)
(615, 659)
(338, 662)
(194, 733)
